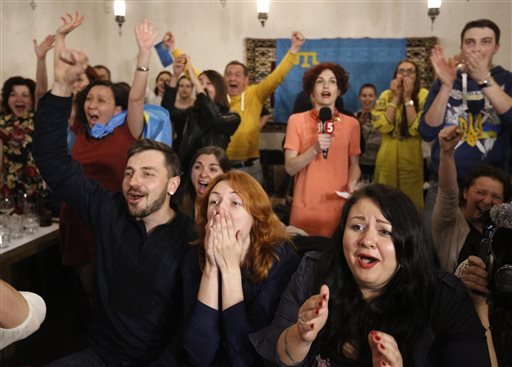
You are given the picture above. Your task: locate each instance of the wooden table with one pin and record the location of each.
(28, 245)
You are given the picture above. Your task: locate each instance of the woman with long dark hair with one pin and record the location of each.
(209, 121)
(375, 298)
(397, 113)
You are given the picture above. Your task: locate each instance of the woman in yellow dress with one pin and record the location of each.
(397, 113)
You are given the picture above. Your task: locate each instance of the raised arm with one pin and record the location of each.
(268, 85)
(41, 50)
(448, 139)
(69, 23)
(145, 36)
(169, 97)
(446, 72)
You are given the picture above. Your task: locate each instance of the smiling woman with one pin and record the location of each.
(19, 172)
(374, 299)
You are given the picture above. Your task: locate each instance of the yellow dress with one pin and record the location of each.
(399, 161)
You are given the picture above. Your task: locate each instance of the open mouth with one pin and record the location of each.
(326, 94)
(366, 261)
(134, 197)
(93, 118)
(201, 186)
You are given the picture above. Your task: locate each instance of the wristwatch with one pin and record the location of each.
(409, 103)
(489, 82)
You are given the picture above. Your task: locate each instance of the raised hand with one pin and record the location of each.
(69, 23)
(145, 35)
(169, 41)
(397, 87)
(408, 86)
(68, 68)
(477, 66)
(446, 69)
(179, 65)
(209, 246)
(228, 244)
(385, 352)
(449, 137)
(313, 315)
(46, 45)
(298, 40)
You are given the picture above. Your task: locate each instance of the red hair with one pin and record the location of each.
(267, 231)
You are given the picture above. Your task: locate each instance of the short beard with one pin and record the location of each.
(150, 208)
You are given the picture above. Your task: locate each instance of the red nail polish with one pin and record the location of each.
(372, 332)
(320, 304)
(312, 326)
(377, 338)
(324, 296)
(381, 346)
(317, 312)
(383, 364)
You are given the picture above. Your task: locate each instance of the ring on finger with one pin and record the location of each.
(300, 320)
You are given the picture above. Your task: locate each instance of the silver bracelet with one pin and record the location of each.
(142, 68)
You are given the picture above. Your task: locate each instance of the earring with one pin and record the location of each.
(170, 193)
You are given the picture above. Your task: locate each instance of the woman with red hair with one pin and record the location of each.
(236, 273)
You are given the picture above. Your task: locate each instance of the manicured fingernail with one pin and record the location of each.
(381, 346)
(320, 304)
(317, 312)
(324, 296)
(383, 364)
(312, 326)
(376, 337)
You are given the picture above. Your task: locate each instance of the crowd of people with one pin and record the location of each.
(180, 251)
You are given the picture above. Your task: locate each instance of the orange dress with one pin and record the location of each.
(316, 207)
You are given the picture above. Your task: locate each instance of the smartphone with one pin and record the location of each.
(164, 54)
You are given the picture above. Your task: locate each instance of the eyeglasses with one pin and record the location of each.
(406, 71)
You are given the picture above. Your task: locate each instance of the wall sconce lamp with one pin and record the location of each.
(433, 10)
(262, 7)
(120, 13)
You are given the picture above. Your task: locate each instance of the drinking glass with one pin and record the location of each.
(16, 225)
(6, 205)
(5, 236)
(31, 224)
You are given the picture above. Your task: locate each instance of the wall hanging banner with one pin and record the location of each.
(366, 60)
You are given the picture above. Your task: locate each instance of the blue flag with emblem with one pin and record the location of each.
(367, 60)
(157, 126)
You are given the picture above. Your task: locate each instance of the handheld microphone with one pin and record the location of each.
(325, 116)
(501, 215)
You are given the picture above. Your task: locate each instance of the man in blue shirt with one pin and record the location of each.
(475, 95)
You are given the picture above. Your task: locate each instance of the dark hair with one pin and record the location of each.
(403, 307)
(404, 126)
(235, 62)
(9, 86)
(158, 76)
(119, 92)
(309, 78)
(481, 23)
(367, 85)
(91, 74)
(189, 198)
(172, 161)
(221, 92)
(485, 170)
(104, 68)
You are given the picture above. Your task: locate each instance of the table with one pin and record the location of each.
(29, 245)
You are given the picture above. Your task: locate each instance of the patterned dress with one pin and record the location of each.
(19, 172)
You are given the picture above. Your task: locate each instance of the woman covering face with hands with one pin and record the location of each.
(374, 299)
(234, 277)
(396, 116)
